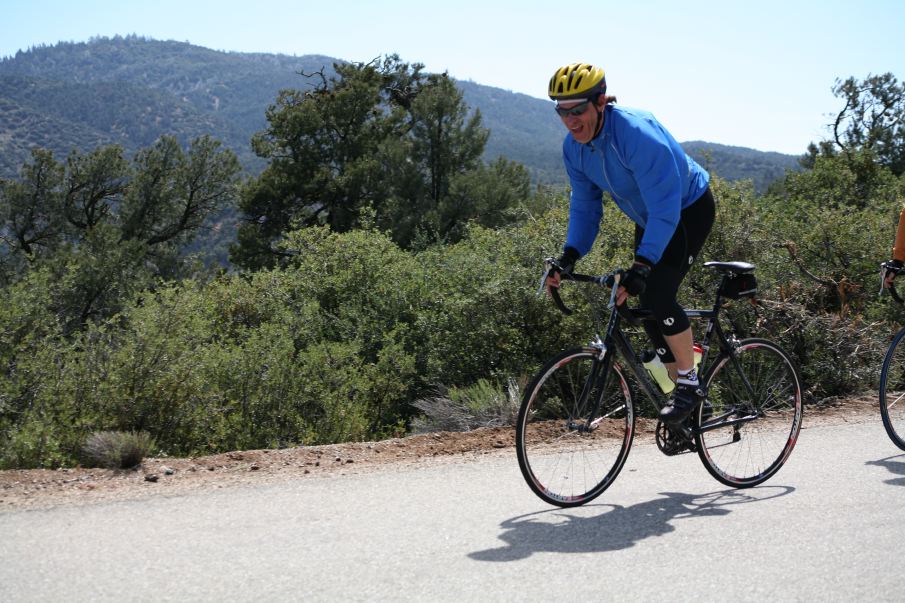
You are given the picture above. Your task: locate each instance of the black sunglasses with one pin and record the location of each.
(573, 111)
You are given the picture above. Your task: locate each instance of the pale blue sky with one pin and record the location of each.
(755, 73)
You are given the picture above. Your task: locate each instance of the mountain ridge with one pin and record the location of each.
(130, 90)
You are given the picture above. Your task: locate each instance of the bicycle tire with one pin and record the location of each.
(748, 453)
(565, 463)
(892, 391)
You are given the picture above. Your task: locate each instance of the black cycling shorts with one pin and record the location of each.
(665, 277)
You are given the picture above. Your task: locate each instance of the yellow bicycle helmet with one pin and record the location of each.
(578, 80)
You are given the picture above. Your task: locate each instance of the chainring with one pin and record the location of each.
(674, 440)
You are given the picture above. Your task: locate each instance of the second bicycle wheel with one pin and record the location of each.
(892, 390)
(752, 417)
(570, 448)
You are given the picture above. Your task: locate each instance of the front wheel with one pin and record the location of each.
(892, 390)
(750, 421)
(575, 427)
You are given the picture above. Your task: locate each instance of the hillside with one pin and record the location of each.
(130, 90)
(741, 163)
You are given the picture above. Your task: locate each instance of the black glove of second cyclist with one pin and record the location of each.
(891, 269)
(634, 281)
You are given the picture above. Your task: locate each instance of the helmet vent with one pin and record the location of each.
(578, 80)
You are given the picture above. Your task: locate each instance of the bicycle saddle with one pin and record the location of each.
(731, 267)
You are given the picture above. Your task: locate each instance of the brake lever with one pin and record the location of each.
(543, 283)
(548, 265)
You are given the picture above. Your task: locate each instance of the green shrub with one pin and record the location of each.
(356, 338)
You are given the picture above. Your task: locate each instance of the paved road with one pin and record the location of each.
(829, 526)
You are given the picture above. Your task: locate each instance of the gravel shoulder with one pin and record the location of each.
(41, 488)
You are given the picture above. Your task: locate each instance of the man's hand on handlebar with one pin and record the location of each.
(564, 264)
(890, 270)
(554, 278)
(633, 282)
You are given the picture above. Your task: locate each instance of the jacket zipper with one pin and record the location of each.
(613, 190)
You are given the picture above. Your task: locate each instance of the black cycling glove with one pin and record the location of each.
(634, 281)
(887, 270)
(567, 260)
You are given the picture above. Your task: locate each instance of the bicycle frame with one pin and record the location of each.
(615, 339)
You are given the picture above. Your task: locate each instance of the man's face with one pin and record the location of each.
(580, 117)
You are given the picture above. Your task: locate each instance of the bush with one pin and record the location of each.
(356, 338)
(466, 408)
(836, 356)
(116, 449)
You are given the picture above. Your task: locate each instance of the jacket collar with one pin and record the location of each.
(606, 130)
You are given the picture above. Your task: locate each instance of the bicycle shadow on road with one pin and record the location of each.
(588, 530)
(895, 465)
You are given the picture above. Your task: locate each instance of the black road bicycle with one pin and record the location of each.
(576, 422)
(892, 376)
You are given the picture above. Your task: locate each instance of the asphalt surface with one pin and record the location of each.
(827, 527)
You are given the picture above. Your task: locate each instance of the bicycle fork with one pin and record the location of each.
(593, 391)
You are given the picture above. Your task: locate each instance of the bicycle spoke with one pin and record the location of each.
(896, 400)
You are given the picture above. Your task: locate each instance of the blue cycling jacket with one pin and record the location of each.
(644, 169)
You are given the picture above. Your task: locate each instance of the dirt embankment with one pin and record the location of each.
(40, 488)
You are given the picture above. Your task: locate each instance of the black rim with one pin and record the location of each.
(892, 391)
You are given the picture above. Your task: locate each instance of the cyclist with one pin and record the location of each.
(898, 252)
(630, 155)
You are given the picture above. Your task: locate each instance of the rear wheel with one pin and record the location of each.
(892, 390)
(570, 449)
(750, 421)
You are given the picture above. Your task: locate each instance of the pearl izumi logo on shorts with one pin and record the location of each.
(661, 351)
(669, 321)
(690, 260)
